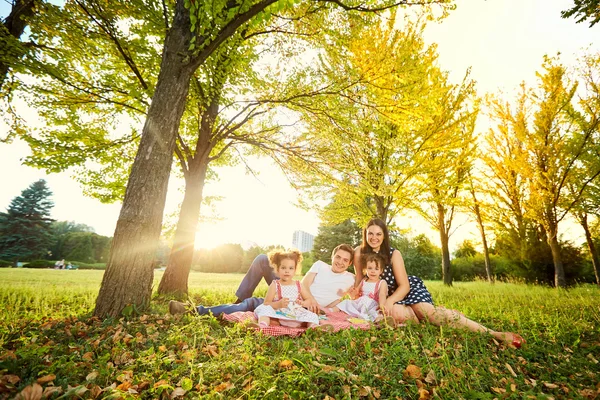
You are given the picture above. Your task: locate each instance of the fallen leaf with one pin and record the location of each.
(286, 364)
(430, 378)
(223, 386)
(50, 390)
(88, 356)
(413, 371)
(499, 390)
(423, 394)
(162, 348)
(31, 392)
(91, 376)
(46, 379)
(550, 385)
(510, 369)
(12, 379)
(160, 383)
(124, 386)
(591, 357)
(178, 392)
(132, 391)
(364, 391)
(513, 387)
(95, 391)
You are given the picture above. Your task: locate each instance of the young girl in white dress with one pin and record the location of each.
(372, 292)
(283, 302)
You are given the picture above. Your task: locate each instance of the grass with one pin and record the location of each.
(50, 344)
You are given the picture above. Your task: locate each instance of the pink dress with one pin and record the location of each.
(293, 315)
(367, 305)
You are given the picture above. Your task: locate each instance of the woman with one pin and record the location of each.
(408, 298)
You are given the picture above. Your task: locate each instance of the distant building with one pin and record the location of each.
(303, 241)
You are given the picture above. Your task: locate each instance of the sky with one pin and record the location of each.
(503, 41)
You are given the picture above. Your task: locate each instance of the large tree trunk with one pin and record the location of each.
(129, 273)
(175, 278)
(591, 246)
(14, 26)
(444, 239)
(559, 271)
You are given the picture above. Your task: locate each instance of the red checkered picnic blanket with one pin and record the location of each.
(338, 320)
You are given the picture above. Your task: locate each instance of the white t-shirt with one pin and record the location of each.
(327, 283)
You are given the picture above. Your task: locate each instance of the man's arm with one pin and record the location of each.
(309, 301)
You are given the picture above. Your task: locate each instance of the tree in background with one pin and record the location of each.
(370, 141)
(421, 257)
(25, 228)
(584, 10)
(328, 237)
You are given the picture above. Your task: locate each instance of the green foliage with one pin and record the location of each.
(307, 261)
(465, 249)
(5, 264)
(82, 265)
(25, 228)
(584, 10)
(39, 264)
(328, 237)
(225, 258)
(78, 242)
(47, 331)
(421, 257)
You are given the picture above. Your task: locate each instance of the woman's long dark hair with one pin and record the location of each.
(384, 249)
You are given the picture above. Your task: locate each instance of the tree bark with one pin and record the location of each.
(486, 251)
(444, 239)
(14, 26)
(591, 246)
(559, 271)
(129, 273)
(175, 278)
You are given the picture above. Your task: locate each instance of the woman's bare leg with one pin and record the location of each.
(443, 316)
(402, 313)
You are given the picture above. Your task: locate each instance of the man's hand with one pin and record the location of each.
(354, 293)
(310, 305)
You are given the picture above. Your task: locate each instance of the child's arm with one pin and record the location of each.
(271, 295)
(383, 291)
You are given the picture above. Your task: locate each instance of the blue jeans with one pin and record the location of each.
(249, 304)
(259, 269)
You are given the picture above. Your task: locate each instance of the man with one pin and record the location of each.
(325, 283)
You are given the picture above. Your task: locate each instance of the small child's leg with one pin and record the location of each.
(264, 321)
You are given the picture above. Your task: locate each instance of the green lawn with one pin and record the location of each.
(48, 337)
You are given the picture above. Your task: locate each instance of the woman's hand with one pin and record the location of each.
(388, 307)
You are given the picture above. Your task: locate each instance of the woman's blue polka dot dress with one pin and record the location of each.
(418, 292)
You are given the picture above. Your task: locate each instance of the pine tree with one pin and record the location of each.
(25, 231)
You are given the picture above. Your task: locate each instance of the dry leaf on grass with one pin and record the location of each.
(286, 364)
(412, 371)
(510, 369)
(178, 392)
(46, 379)
(550, 385)
(424, 394)
(31, 392)
(223, 386)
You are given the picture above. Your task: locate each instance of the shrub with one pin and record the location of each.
(5, 264)
(82, 265)
(39, 264)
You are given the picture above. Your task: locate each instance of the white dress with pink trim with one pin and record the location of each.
(292, 316)
(367, 305)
